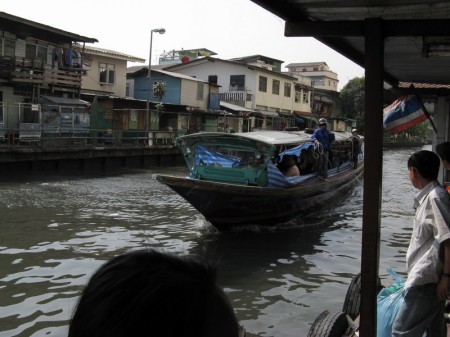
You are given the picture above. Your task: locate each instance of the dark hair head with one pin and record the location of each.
(427, 163)
(443, 150)
(153, 294)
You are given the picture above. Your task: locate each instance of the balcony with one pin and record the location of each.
(237, 97)
(36, 72)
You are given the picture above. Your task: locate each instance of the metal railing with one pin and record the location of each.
(54, 139)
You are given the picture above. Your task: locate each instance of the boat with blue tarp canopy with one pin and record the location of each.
(235, 179)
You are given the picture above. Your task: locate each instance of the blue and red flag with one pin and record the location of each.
(404, 113)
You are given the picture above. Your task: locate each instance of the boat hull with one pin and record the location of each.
(228, 205)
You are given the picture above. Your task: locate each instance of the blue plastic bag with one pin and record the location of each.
(389, 301)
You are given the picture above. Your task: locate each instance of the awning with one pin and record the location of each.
(268, 113)
(322, 99)
(302, 119)
(62, 101)
(235, 107)
(285, 114)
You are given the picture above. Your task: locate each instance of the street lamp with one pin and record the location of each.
(149, 77)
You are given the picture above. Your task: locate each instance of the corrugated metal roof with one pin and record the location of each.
(135, 71)
(251, 57)
(178, 75)
(215, 59)
(16, 23)
(65, 101)
(305, 64)
(235, 107)
(107, 52)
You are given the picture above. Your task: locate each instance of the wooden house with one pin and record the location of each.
(35, 60)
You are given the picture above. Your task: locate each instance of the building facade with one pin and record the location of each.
(253, 86)
(324, 84)
(106, 70)
(322, 78)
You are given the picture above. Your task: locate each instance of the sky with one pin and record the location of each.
(230, 28)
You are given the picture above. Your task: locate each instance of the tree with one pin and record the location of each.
(353, 101)
(159, 91)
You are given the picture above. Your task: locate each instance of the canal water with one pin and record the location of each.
(56, 231)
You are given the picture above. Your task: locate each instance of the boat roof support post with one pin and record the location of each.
(373, 161)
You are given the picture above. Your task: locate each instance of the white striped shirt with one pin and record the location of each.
(431, 228)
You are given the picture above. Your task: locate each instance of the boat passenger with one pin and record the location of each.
(150, 293)
(307, 160)
(356, 147)
(443, 150)
(288, 166)
(260, 160)
(324, 138)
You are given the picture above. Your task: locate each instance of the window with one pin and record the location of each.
(212, 79)
(200, 91)
(298, 95)
(262, 84)
(306, 97)
(107, 73)
(7, 47)
(287, 89)
(276, 87)
(237, 82)
(33, 51)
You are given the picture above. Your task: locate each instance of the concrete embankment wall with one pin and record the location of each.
(94, 159)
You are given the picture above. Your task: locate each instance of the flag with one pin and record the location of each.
(404, 113)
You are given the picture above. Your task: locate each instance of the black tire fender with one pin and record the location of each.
(329, 324)
(352, 300)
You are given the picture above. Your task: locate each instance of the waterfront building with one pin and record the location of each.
(255, 83)
(106, 70)
(324, 84)
(199, 98)
(56, 90)
(35, 61)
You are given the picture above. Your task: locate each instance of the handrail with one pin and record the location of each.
(35, 136)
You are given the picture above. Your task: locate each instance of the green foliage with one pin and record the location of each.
(420, 131)
(353, 98)
(159, 90)
(353, 107)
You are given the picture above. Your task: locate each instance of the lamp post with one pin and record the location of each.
(149, 76)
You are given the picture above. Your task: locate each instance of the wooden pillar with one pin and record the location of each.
(373, 166)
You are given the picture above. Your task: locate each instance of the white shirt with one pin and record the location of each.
(431, 228)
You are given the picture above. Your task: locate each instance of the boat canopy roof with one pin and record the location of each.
(266, 137)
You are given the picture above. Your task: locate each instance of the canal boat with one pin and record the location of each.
(234, 179)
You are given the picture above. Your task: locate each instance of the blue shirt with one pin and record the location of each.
(324, 137)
